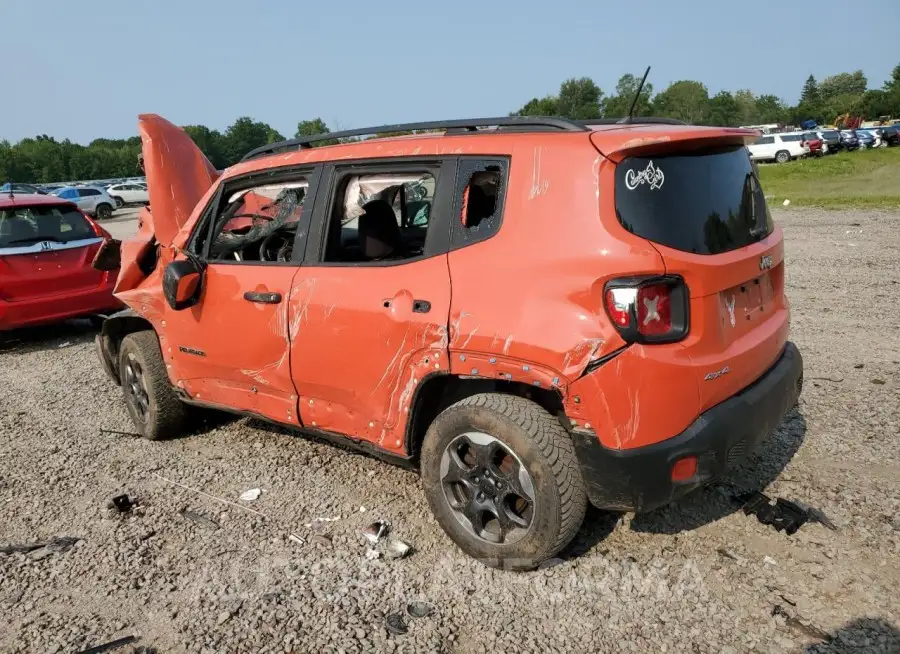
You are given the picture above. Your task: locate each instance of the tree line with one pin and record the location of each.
(44, 159)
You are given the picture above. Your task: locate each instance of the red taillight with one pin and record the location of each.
(648, 310)
(654, 310)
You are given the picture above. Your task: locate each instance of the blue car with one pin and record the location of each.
(866, 139)
(849, 139)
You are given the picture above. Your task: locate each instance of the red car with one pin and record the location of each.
(815, 144)
(47, 246)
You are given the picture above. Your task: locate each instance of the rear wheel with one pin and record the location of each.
(782, 156)
(502, 480)
(119, 201)
(155, 409)
(103, 211)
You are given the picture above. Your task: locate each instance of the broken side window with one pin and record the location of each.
(258, 224)
(380, 217)
(481, 191)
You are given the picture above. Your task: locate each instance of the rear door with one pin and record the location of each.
(46, 251)
(709, 221)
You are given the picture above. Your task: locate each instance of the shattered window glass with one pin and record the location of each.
(481, 192)
(382, 216)
(259, 224)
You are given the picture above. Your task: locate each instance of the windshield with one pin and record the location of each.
(60, 224)
(704, 202)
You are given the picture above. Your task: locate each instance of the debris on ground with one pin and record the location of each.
(106, 647)
(54, 546)
(783, 515)
(251, 495)
(801, 626)
(373, 555)
(397, 549)
(200, 519)
(64, 344)
(376, 531)
(119, 433)
(878, 382)
(121, 503)
(768, 559)
(24, 548)
(419, 609)
(728, 554)
(210, 496)
(296, 539)
(396, 624)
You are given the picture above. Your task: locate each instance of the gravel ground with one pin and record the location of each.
(697, 576)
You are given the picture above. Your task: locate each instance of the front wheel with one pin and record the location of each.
(103, 211)
(502, 480)
(155, 409)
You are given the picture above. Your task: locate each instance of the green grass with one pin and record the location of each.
(862, 179)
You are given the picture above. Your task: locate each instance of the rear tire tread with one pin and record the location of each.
(555, 446)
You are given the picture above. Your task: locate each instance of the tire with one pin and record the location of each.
(782, 156)
(103, 211)
(119, 201)
(524, 435)
(155, 409)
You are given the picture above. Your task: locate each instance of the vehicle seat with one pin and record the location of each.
(379, 234)
(480, 206)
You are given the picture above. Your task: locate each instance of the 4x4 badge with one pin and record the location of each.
(651, 175)
(765, 262)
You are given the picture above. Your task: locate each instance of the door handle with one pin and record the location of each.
(421, 306)
(262, 298)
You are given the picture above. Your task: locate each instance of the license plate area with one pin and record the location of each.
(747, 303)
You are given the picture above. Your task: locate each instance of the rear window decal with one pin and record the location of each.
(651, 175)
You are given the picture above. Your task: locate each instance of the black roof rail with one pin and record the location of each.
(524, 123)
(639, 120)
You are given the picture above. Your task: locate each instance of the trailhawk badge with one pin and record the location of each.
(650, 175)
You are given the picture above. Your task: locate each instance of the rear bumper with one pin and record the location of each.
(44, 310)
(639, 479)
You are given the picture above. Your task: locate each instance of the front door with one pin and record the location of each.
(232, 349)
(370, 304)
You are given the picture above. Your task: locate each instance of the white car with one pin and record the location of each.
(779, 148)
(128, 194)
(93, 201)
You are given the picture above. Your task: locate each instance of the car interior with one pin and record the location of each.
(382, 217)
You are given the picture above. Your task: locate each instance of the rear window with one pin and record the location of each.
(809, 136)
(703, 202)
(29, 225)
(831, 134)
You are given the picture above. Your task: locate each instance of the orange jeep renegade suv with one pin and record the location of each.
(537, 312)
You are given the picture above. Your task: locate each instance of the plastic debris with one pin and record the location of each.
(376, 531)
(200, 519)
(54, 546)
(64, 344)
(318, 521)
(419, 609)
(786, 202)
(297, 539)
(396, 624)
(768, 559)
(397, 549)
(251, 495)
(373, 555)
(321, 539)
(784, 515)
(113, 644)
(121, 503)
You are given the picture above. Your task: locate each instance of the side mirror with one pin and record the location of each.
(182, 282)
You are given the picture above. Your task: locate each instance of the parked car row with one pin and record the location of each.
(782, 147)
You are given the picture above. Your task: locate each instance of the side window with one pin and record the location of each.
(790, 138)
(765, 140)
(254, 223)
(85, 192)
(480, 195)
(380, 217)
